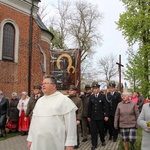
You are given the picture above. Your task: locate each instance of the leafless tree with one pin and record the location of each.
(43, 12)
(107, 67)
(59, 22)
(83, 27)
(77, 24)
(56, 20)
(87, 72)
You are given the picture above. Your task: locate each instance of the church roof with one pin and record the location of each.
(42, 25)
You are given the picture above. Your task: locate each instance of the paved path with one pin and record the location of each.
(19, 143)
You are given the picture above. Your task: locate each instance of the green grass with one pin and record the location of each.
(137, 144)
(10, 135)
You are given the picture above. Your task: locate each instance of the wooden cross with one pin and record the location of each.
(119, 69)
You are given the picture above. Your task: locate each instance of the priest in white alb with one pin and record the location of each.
(53, 125)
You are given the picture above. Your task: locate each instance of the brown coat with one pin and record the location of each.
(78, 102)
(31, 105)
(126, 115)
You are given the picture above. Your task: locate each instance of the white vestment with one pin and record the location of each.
(53, 124)
(143, 118)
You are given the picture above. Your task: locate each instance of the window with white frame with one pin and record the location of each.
(9, 40)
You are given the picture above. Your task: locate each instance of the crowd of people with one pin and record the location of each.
(16, 113)
(53, 120)
(109, 112)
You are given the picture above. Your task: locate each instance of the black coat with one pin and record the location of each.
(98, 107)
(112, 101)
(13, 111)
(4, 110)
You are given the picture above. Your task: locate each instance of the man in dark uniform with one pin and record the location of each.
(78, 102)
(113, 98)
(97, 114)
(85, 100)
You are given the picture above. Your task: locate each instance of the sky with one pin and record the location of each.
(112, 39)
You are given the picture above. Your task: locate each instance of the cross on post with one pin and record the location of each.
(119, 69)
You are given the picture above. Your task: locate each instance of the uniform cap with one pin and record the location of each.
(95, 85)
(112, 85)
(37, 87)
(87, 87)
(72, 87)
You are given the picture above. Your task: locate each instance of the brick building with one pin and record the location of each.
(24, 46)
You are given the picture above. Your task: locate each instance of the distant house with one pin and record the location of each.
(24, 46)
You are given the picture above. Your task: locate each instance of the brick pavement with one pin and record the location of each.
(19, 143)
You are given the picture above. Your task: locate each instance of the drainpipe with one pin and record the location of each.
(30, 47)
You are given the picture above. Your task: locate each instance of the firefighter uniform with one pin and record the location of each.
(112, 98)
(98, 109)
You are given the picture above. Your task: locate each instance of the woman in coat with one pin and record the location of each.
(4, 106)
(13, 113)
(126, 119)
(144, 123)
(22, 107)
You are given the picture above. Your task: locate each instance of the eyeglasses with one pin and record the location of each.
(45, 83)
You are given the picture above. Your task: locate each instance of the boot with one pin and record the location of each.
(23, 134)
(4, 134)
(9, 132)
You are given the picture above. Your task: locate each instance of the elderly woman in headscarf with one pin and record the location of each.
(13, 113)
(126, 119)
(22, 107)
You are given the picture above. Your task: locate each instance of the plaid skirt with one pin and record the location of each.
(128, 134)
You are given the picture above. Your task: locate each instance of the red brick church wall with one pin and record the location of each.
(14, 76)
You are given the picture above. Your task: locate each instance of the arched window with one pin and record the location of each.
(9, 40)
(8, 46)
